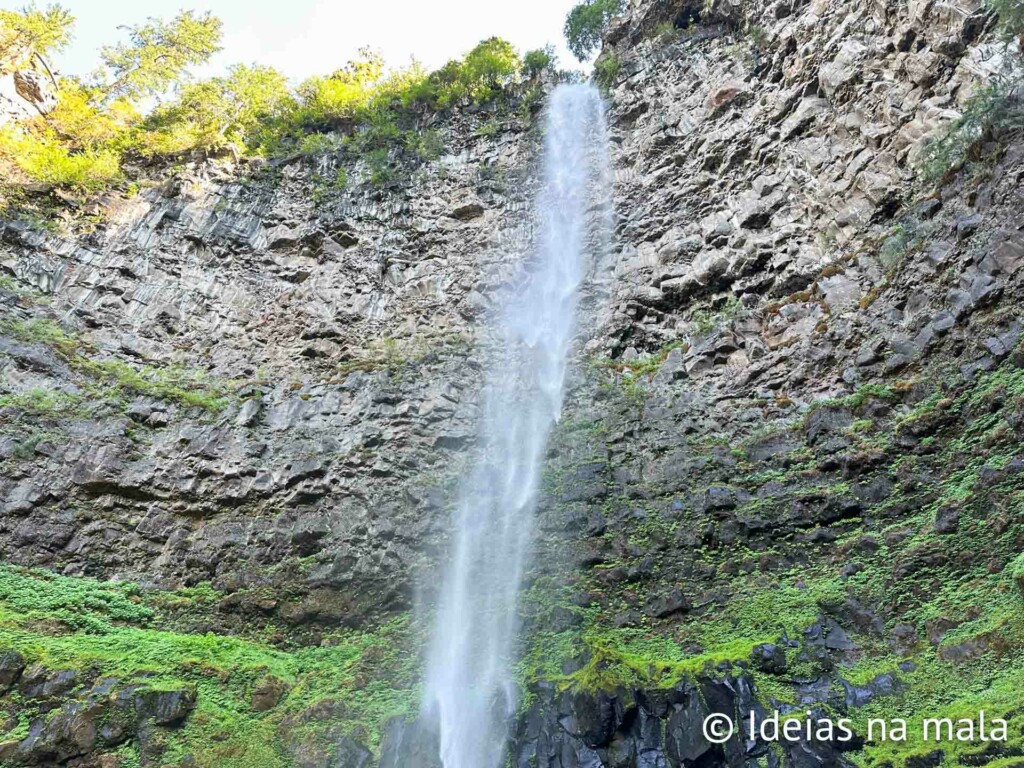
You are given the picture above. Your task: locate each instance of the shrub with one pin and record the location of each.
(45, 160)
(1017, 572)
(84, 124)
(343, 94)
(665, 31)
(427, 145)
(1011, 17)
(480, 76)
(586, 24)
(536, 61)
(378, 163)
(606, 70)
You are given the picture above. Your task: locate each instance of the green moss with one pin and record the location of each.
(660, 657)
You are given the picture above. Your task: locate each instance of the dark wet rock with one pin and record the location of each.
(904, 638)
(826, 632)
(39, 682)
(12, 664)
(826, 421)
(164, 707)
(966, 226)
(268, 693)
(770, 658)
(351, 754)
(408, 743)
(947, 518)
(674, 603)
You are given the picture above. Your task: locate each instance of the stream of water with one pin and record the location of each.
(468, 689)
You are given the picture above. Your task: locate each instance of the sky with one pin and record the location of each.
(306, 37)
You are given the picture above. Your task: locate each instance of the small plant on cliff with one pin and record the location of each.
(705, 321)
(665, 32)
(606, 70)
(1011, 18)
(586, 24)
(992, 112)
(380, 171)
(324, 185)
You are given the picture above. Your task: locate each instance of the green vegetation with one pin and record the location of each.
(326, 186)
(116, 629)
(706, 320)
(644, 657)
(665, 32)
(539, 60)
(993, 112)
(110, 379)
(81, 146)
(887, 568)
(157, 56)
(238, 110)
(993, 109)
(606, 69)
(586, 24)
(1011, 17)
(32, 31)
(41, 402)
(395, 355)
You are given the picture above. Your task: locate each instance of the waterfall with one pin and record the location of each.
(468, 689)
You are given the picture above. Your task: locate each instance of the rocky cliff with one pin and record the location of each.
(788, 473)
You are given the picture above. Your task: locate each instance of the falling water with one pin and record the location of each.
(468, 689)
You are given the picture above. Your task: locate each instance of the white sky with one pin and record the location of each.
(307, 37)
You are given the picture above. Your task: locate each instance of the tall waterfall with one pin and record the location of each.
(468, 684)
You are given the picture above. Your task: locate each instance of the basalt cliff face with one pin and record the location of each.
(787, 475)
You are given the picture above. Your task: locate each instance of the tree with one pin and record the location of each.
(536, 61)
(84, 123)
(586, 24)
(1011, 19)
(241, 109)
(158, 54)
(342, 94)
(31, 31)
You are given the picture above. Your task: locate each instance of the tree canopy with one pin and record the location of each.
(99, 121)
(34, 31)
(158, 54)
(586, 24)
